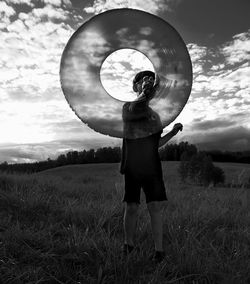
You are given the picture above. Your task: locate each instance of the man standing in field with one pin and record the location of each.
(141, 163)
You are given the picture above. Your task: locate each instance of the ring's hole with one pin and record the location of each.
(118, 71)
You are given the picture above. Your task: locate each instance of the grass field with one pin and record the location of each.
(64, 225)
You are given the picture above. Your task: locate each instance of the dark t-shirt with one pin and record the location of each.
(140, 157)
(140, 120)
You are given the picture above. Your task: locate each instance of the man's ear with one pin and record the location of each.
(135, 88)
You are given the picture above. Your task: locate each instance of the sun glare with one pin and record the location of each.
(23, 123)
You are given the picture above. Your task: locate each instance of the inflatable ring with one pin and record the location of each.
(117, 29)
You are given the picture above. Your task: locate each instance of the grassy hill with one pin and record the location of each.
(235, 173)
(64, 225)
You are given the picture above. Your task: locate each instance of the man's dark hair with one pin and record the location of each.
(140, 76)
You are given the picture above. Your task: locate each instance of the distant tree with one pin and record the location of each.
(206, 171)
(61, 160)
(218, 176)
(195, 167)
(72, 157)
(117, 154)
(173, 152)
(184, 166)
(108, 155)
(90, 156)
(4, 166)
(226, 156)
(199, 169)
(190, 149)
(50, 163)
(82, 157)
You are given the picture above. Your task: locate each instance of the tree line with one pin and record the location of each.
(171, 152)
(101, 155)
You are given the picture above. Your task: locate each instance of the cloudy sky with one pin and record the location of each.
(36, 121)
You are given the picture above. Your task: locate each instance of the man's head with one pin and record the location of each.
(143, 79)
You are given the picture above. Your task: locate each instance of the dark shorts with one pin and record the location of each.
(153, 187)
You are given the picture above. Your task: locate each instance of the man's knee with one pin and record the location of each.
(155, 207)
(132, 208)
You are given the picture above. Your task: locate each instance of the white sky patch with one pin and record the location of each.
(152, 6)
(20, 123)
(118, 71)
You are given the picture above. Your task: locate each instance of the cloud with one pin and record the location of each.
(58, 3)
(211, 124)
(20, 2)
(146, 43)
(221, 89)
(31, 52)
(231, 139)
(6, 12)
(197, 53)
(31, 3)
(237, 50)
(152, 6)
(50, 12)
(22, 153)
(199, 57)
(32, 152)
(146, 31)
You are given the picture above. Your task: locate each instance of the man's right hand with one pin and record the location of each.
(150, 86)
(177, 127)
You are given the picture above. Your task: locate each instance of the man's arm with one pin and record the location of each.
(164, 139)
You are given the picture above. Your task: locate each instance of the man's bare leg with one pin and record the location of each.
(130, 221)
(155, 209)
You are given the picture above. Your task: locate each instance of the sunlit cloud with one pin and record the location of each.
(58, 3)
(50, 12)
(20, 2)
(6, 12)
(152, 6)
(37, 49)
(237, 50)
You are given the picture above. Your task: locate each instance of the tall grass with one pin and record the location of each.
(65, 226)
